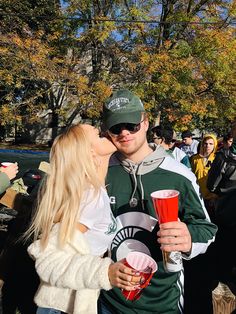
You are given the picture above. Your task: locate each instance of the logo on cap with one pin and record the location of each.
(118, 103)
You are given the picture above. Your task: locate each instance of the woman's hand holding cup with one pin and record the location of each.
(123, 277)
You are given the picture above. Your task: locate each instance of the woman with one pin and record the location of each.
(201, 164)
(75, 226)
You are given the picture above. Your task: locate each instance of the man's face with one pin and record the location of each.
(187, 140)
(129, 142)
(208, 146)
(157, 140)
(229, 143)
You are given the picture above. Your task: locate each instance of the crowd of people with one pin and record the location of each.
(94, 207)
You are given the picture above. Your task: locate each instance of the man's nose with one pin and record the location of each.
(124, 131)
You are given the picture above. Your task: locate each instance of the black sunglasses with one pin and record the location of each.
(131, 127)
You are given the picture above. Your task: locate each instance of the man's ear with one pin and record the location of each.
(146, 123)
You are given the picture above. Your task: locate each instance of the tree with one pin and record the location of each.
(182, 66)
(178, 56)
(26, 16)
(41, 72)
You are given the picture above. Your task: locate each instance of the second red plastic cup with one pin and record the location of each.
(145, 267)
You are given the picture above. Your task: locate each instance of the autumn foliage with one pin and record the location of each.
(179, 57)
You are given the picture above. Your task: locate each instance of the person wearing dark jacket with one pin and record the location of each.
(222, 181)
(222, 175)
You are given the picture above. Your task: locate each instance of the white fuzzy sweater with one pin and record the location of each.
(71, 278)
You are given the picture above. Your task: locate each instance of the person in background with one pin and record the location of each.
(227, 140)
(178, 153)
(222, 175)
(135, 171)
(197, 287)
(163, 136)
(189, 145)
(218, 262)
(222, 181)
(7, 174)
(201, 164)
(73, 226)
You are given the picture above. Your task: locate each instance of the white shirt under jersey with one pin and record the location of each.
(97, 216)
(190, 149)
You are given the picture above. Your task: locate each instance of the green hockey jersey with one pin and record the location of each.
(129, 187)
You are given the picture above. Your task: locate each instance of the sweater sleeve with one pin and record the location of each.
(215, 174)
(66, 268)
(4, 182)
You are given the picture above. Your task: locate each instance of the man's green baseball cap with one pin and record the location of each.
(122, 107)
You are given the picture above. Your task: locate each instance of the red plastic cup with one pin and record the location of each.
(145, 267)
(166, 205)
(6, 164)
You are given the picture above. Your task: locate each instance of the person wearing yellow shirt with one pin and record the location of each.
(201, 164)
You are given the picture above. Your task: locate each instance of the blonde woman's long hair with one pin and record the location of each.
(72, 171)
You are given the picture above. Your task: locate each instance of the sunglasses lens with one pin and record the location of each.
(116, 129)
(132, 128)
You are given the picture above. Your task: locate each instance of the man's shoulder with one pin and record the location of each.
(179, 152)
(177, 168)
(226, 155)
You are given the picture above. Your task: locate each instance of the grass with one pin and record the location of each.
(36, 147)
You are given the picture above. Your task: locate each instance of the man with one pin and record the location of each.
(162, 136)
(222, 175)
(221, 256)
(166, 137)
(136, 170)
(227, 140)
(189, 145)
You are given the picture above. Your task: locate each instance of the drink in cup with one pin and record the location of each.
(145, 267)
(166, 206)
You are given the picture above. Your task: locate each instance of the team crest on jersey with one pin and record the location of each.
(137, 232)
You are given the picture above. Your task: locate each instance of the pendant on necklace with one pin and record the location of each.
(133, 202)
